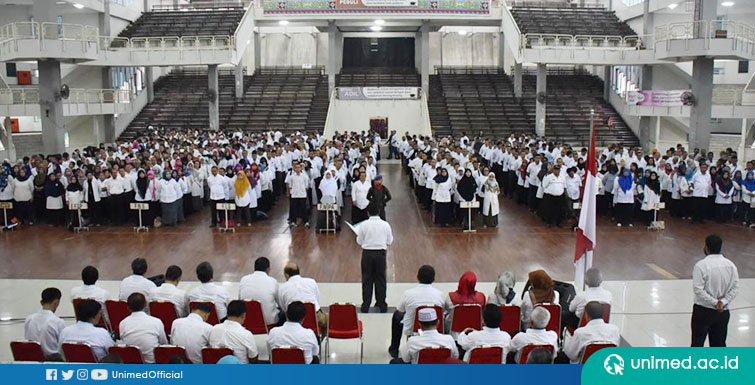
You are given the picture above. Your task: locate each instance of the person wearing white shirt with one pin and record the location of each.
(359, 191)
(374, 235)
(293, 334)
(297, 183)
(428, 338)
(216, 184)
(210, 291)
(84, 331)
(169, 292)
(422, 294)
(715, 283)
(142, 330)
(596, 330)
(724, 197)
(232, 334)
(593, 293)
(193, 332)
(89, 276)
(261, 287)
(44, 326)
(535, 334)
(490, 335)
(136, 283)
(623, 197)
(701, 184)
(553, 198)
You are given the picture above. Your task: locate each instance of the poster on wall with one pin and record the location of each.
(668, 98)
(467, 7)
(375, 3)
(377, 93)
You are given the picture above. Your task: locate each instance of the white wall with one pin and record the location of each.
(479, 49)
(355, 115)
(295, 49)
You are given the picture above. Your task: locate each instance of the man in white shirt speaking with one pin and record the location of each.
(715, 282)
(374, 235)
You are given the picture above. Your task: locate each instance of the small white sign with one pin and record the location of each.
(659, 206)
(226, 206)
(327, 207)
(469, 205)
(6, 205)
(77, 206)
(139, 206)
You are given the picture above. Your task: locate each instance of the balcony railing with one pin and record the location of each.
(740, 33)
(544, 40)
(30, 96)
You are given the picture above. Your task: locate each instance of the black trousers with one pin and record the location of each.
(553, 209)
(373, 274)
(214, 210)
(298, 209)
(709, 323)
(397, 329)
(699, 207)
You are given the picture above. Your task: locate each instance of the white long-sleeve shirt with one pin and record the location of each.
(232, 335)
(715, 278)
(85, 333)
(597, 294)
(193, 334)
(595, 331)
(428, 339)
(420, 295)
(44, 327)
(374, 234)
(533, 337)
(135, 284)
(168, 292)
(262, 288)
(485, 337)
(295, 335)
(211, 292)
(143, 331)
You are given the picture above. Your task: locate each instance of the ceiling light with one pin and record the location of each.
(379, 22)
(462, 32)
(283, 22)
(376, 28)
(60, 2)
(727, 3)
(672, 6)
(77, 5)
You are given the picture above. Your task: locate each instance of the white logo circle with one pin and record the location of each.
(614, 365)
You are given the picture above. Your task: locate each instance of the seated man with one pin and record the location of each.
(535, 334)
(293, 334)
(260, 286)
(193, 332)
(136, 283)
(84, 331)
(490, 335)
(429, 338)
(89, 276)
(593, 292)
(403, 317)
(596, 330)
(169, 291)
(210, 291)
(232, 334)
(142, 330)
(44, 326)
(298, 288)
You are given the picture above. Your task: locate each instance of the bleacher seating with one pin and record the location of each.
(186, 22)
(378, 77)
(284, 98)
(595, 21)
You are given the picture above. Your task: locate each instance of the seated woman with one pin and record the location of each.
(464, 294)
(541, 291)
(504, 293)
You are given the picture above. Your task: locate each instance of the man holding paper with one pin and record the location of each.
(374, 235)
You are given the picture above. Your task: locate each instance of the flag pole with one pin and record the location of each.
(592, 148)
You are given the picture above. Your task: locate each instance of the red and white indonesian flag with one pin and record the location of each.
(586, 230)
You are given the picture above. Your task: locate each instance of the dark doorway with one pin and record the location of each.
(378, 52)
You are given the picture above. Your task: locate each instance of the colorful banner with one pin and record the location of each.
(378, 93)
(480, 7)
(375, 3)
(669, 98)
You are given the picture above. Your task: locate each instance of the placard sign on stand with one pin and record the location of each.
(226, 207)
(469, 206)
(140, 207)
(327, 208)
(657, 225)
(6, 206)
(78, 207)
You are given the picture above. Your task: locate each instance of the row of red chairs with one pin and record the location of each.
(494, 354)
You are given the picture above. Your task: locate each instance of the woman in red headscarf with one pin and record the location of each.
(464, 294)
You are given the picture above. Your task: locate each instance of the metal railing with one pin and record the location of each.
(737, 31)
(539, 40)
(167, 43)
(24, 96)
(14, 34)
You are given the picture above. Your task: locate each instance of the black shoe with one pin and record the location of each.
(383, 308)
(365, 309)
(393, 352)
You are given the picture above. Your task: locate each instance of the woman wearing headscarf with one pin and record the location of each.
(541, 291)
(465, 294)
(444, 207)
(623, 197)
(490, 202)
(243, 197)
(74, 195)
(6, 188)
(195, 179)
(328, 192)
(748, 198)
(379, 195)
(651, 196)
(738, 205)
(23, 193)
(467, 191)
(267, 176)
(40, 179)
(184, 174)
(146, 192)
(182, 188)
(504, 293)
(170, 194)
(724, 192)
(54, 191)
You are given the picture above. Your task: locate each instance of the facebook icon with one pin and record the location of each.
(51, 374)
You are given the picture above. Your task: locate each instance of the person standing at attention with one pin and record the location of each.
(379, 196)
(374, 235)
(715, 282)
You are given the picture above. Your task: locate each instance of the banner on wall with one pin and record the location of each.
(466, 7)
(377, 93)
(668, 98)
(376, 3)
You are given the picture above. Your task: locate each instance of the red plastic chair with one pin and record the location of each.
(78, 353)
(213, 355)
(76, 301)
(486, 355)
(310, 319)
(117, 311)
(213, 318)
(27, 351)
(527, 349)
(467, 315)
(164, 353)
(594, 347)
(433, 355)
(343, 324)
(166, 312)
(555, 321)
(255, 320)
(438, 311)
(129, 354)
(287, 355)
(511, 319)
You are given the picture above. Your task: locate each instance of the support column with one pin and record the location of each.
(238, 72)
(646, 83)
(11, 148)
(741, 158)
(518, 80)
(332, 55)
(501, 51)
(51, 106)
(542, 74)
(606, 82)
(146, 5)
(108, 128)
(425, 67)
(702, 88)
(658, 133)
(149, 83)
(257, 47)
(212, 84)
(418, 51)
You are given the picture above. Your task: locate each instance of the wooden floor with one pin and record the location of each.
(521, 243)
